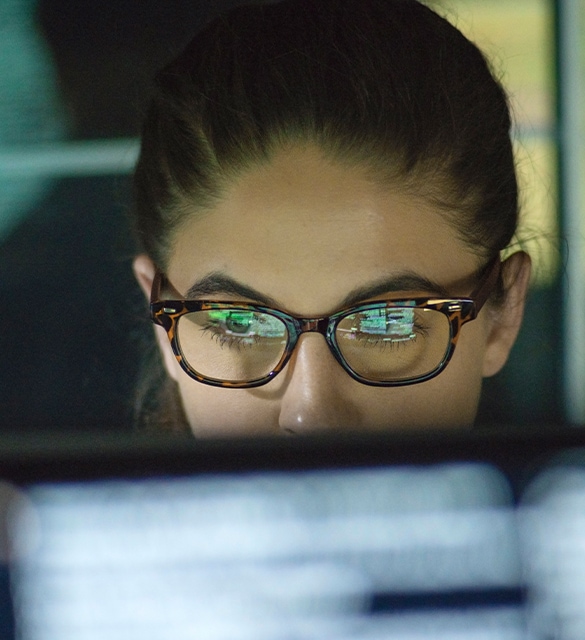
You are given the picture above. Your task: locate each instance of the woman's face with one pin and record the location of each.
(306, 233)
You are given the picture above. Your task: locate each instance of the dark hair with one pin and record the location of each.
(387, 85)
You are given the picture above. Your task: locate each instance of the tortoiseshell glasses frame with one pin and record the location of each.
(458, 311)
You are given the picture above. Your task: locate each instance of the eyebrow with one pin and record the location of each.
(402, 282)
(217, 283)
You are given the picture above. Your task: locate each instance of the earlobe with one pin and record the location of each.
(144, 271)
(506, 318)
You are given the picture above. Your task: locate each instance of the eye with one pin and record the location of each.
(242, 322)
(387, 324)
(237, 327)
(231, 327)
(228, 343)
(393, 343)
(238, 321)
(383, 326)
(231, 321)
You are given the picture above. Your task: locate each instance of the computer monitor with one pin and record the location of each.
(435, 535)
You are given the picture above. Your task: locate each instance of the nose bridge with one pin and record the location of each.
(313, 399)
(316, 325)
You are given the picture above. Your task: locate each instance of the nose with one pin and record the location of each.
(315, 396)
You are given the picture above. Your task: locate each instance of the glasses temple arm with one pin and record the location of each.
(161, 283)
(487, 283)
(156, 287)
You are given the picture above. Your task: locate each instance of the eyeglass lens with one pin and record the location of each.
(380, 344)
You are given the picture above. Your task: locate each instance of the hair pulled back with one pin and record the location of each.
(385, 84)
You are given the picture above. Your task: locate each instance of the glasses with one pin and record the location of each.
(384, 343)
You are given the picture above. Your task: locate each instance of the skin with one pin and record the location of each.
(305, 233)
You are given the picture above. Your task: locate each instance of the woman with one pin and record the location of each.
(313, 158)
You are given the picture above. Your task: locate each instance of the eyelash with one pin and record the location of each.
(230, 340)
(420, 330)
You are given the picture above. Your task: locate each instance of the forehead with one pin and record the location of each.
(305, 231)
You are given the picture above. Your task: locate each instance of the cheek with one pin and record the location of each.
(455, 393)
(450, 400)
(217, 412)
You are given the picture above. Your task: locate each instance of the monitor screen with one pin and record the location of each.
(362, 539)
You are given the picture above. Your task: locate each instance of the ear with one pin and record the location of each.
(144, 271)
(506, 317)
